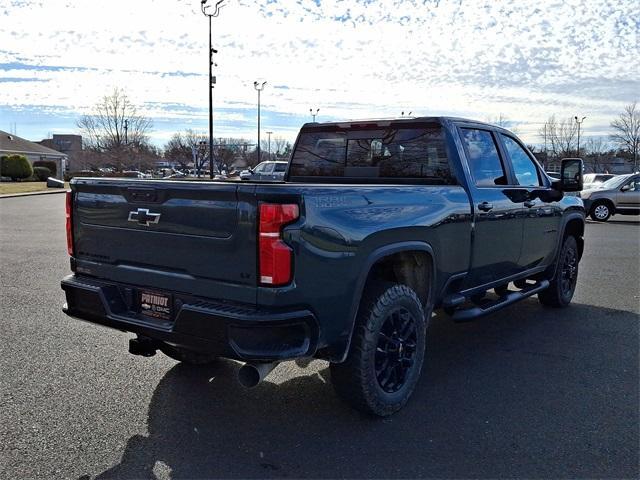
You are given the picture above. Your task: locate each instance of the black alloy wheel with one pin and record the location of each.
(563, 285)
(396, 350)
(387, 350)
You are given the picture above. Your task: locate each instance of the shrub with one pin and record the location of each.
(50, 164)
(15, 167)
(41, 173)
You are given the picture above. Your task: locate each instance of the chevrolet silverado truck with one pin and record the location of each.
(376, 224)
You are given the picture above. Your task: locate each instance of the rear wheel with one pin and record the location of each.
(601, 212)
(386, 353)
(188, 357)
(563, 284)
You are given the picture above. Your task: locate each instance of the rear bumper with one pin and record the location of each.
(233, 331)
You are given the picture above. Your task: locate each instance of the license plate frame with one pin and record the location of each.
(156, 305)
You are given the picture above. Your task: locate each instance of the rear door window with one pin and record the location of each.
(280, 167)
(484, 160)
(409, 152)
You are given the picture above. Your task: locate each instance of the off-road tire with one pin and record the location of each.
(356, 380)
(563, 284)
(601, 211)
(188, 357)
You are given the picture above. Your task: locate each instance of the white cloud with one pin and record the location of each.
(525, 59)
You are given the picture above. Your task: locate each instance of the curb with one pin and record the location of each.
(28, 194)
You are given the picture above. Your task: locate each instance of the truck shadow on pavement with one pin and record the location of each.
(526, 392)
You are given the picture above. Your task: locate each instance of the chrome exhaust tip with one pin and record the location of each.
(251, 374)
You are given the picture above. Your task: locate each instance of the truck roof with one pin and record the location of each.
(387, 121)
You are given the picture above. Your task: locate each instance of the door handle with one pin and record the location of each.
(530, 203)
(485, 206)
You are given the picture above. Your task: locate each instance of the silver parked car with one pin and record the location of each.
(618, 195)
(265, 171)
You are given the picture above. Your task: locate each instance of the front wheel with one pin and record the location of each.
(563, 284)
(601, 212)
(386, 353)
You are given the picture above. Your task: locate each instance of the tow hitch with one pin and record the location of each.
(143, 346)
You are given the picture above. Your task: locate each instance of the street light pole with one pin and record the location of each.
(579, 122)
(269, 146)
(259, 87)
(211, 80)
(313, 115)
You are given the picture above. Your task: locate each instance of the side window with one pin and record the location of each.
(484, 160)
(523, 167)
(259, 168)
(268, 168)
(280, 167)
(634, 185)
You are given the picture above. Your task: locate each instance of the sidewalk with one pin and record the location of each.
(39, 192)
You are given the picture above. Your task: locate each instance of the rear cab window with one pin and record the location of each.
(373, 154)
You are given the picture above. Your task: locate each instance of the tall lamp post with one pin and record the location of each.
(259, 87)
(579, 122)
(211, 82)
(313, 115)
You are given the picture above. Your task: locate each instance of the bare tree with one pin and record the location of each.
(559, 137)
(114, 125)
(597, 153)
(188, 147)
(279, 145)
(626, 131)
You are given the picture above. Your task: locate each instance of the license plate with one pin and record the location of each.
(155, 305)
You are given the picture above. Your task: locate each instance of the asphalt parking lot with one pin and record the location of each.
(527, 392)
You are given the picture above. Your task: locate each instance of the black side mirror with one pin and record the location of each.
(571, 175)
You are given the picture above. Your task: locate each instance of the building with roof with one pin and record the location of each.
(13, 145)
(70, 145)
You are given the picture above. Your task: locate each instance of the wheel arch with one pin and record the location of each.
(394, 263)
(573, 224)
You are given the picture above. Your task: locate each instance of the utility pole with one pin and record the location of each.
(126, 131)
(579, 122)
(259, 87)
(211, 80)
(269, 146)
(313, 115)
(546, 155)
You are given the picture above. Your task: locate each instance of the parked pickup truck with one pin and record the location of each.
(376, 224)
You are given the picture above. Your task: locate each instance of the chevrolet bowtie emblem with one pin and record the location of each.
(144, 217)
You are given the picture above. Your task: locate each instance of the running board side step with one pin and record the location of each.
(469, 314)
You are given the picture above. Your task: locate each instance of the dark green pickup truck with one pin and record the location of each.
(376, 224)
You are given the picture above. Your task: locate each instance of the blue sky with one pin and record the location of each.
(524, 60)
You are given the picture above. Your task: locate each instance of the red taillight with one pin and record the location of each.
(275, 255)
(69, 225)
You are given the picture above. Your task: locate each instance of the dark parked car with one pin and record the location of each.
(376, 224)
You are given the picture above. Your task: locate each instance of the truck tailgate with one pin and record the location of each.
(192, 237)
